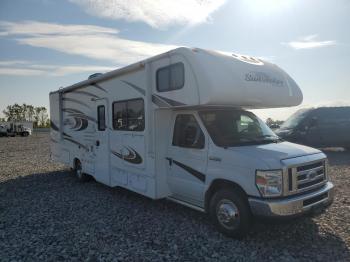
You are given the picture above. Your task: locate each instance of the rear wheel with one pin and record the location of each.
(78, 170)
(230, 212)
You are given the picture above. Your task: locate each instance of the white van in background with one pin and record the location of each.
(175, 126)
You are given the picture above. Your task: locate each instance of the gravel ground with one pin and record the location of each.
(46, 215)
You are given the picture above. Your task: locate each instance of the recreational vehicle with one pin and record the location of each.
(177, 126)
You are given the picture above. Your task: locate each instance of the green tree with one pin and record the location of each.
(38, 115)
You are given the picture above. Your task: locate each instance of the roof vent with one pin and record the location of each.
(94, 75)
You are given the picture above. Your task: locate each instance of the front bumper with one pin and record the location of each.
(293, 205)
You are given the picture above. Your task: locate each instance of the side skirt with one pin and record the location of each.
(200, 209)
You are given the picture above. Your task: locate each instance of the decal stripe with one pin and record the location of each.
(99, 87)
(159, 102)
(190, 170)
(72, 110)
(76, 113)
(132, 156)
(77, 123)
(75, 101)
(85, 93)
(138, 89)
(53, 126)
(84, 124)
(85, 117)
(170, 101)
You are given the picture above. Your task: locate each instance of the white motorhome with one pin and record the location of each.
(175, 126)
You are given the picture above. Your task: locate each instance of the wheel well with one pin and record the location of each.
(216, 185)
(75, 161)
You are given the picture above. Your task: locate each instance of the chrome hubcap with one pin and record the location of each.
(227, 213)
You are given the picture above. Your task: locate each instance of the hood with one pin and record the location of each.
(273, 153)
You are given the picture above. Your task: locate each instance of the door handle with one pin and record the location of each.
(97, 142)
(170, 160)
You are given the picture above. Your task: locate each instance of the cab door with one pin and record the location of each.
(102, 148)
(187, 159)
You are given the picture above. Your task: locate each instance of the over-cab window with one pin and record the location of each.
(187, 132)
(101, 118)
(171, 77)
(129, 115)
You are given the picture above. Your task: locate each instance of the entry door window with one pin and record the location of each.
(187, 132)
(101, 118)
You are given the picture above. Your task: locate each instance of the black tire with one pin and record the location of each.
(230, 213)
(78, 171)
(25, 134)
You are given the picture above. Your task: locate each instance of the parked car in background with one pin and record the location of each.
(318, 127)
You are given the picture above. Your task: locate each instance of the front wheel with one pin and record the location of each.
(230, 212)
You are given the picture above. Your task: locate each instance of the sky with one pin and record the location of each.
(47, 44)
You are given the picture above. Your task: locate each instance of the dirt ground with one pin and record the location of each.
(47, 215)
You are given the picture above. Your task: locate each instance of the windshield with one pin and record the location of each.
(294, 120)
(230, 127)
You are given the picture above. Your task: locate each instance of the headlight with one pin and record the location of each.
(269, 182)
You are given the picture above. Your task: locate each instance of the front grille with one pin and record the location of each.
(306, 177)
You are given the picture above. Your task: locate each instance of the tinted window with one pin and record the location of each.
(187, 132)
(129, 115)
(332, 116)
(119, 116)
(163, 78)
(171, 77)
(135, 115)
(101, 118)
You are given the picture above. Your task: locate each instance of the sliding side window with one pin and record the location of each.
(171, 77)
(129, 115)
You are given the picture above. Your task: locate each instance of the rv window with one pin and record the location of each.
(171, 77)
(129, 115)
(187, 132)
(101, 119)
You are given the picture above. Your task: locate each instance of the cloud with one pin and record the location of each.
(309, 42)
(41, 28)
(27, 68)
(20, 72)
(95, 42)
(156, 13)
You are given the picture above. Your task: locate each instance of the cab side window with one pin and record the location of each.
(187, 132)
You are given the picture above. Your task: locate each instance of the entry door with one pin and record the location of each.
(102, 158)
(187, 159)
